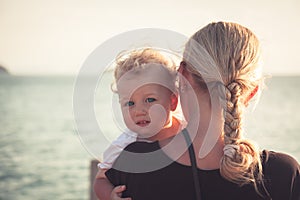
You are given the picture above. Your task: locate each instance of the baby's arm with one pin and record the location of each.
(102, 187)
(105, 191)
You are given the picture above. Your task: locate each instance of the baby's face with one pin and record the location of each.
(146, 110)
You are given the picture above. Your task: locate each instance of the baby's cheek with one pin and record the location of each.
(158, 113)
(127, 117)
(158, 116)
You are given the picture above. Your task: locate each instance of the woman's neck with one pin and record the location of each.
(206, 135)
(209, 143)
(176, 148)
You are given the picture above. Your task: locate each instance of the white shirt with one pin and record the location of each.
(117, 146)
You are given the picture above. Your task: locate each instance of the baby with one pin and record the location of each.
(145, 84)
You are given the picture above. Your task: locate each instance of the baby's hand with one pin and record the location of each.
(117, 193)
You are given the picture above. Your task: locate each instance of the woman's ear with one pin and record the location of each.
(181, 67)
(174, 101)
(185, 73)
(251, 95)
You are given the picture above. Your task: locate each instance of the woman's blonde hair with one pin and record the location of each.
(224, 57)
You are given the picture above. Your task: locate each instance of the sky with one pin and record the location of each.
(54, 37)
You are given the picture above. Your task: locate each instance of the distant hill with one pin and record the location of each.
(3, 71)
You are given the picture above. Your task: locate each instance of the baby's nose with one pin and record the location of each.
(140, 109)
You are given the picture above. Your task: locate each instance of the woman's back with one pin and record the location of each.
(175, 181)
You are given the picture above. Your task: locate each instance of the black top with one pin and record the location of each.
(175, 181)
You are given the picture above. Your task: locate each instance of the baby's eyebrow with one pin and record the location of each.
(124, 99)
(149, 94)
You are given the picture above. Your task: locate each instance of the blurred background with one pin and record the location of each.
(43, 45)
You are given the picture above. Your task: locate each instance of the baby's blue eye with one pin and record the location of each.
(129, 103)
(150, 100)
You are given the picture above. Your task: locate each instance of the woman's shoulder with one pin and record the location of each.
(281, 174)
(277, 161)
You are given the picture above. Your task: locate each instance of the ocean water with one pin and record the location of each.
(42, 157)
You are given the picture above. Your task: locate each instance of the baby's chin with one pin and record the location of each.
(146, 131)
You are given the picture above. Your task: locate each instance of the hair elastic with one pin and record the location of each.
(230, 150)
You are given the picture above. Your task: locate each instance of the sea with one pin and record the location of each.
(44, 156)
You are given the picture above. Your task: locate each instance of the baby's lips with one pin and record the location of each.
(143, 123)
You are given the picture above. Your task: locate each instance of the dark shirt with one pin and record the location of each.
(175, 181)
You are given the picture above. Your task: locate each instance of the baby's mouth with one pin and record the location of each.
(143, 123)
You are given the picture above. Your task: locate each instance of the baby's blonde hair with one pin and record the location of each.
(224, 57)
(137, 60)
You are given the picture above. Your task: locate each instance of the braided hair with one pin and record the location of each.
(224, 57)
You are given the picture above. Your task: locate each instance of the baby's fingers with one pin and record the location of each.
(117, 193)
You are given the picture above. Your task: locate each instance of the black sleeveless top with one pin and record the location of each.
(175, 181)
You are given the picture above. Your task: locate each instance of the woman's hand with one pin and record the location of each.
(117, 193)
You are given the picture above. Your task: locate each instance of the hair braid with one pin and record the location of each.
(233, 112)
(226, 55)
(244, 166)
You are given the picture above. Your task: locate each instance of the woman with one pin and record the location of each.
(220, 73)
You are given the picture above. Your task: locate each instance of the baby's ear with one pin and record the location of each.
(174, 101)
